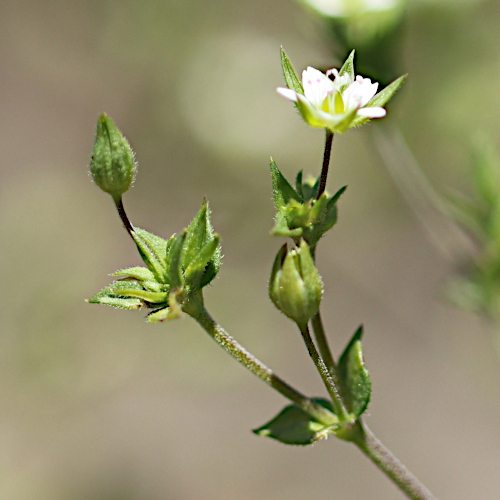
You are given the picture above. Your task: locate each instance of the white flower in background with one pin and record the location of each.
(335, 100)
(344, 8)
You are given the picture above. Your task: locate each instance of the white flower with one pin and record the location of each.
(333, 100)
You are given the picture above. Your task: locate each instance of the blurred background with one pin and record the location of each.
(97, 404)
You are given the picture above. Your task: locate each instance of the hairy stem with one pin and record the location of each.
(366, 441)
(238, 352)
(322, 342)
(333, 389)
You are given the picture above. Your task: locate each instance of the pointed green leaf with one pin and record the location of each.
(332, 211)
(175, 257)
(196, 269)
(282, 190)
(144, 295)
(348, 66)
(315, 188)
(153, 252)
(337, 195)
(291, 78)
(294, 426)
(331, 216)
(354, 375)
(116, 295)
(197, 234)
(213, 266)
(274, 286)
(118, 302)
(298, 185)
(310, 188)
(138, 273)
(381, 99)
(386, 94)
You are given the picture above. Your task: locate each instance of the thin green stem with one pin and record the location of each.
(324, 349)
(322, 342)
(366, 441)
(326, 162)
(238, 352)
(124, 218)
(332, 388)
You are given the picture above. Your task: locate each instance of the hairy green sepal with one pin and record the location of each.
(292, 80)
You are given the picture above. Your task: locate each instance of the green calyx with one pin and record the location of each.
(176, 271)
(295, 286)
(112, 164)
(300, 213)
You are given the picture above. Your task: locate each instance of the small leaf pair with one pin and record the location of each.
(294, 426)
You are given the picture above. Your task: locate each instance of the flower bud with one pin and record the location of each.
(295, 286)
(112, 164)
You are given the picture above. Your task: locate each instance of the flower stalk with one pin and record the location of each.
(322, 342)
(123, 216)
(331, 386)
(326, 162)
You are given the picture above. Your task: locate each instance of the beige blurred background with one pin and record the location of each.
(97, 404)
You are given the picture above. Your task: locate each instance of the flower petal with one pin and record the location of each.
(289, 94)
(316, 86)
(372, 112)
(359, 93)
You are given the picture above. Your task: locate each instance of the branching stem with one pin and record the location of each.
(238, 352)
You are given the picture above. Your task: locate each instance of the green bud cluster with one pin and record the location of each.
(295, 285)
(300, 213)
(177, 269)
(112, 164)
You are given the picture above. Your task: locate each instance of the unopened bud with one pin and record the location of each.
(112, 165)
(295, 286)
